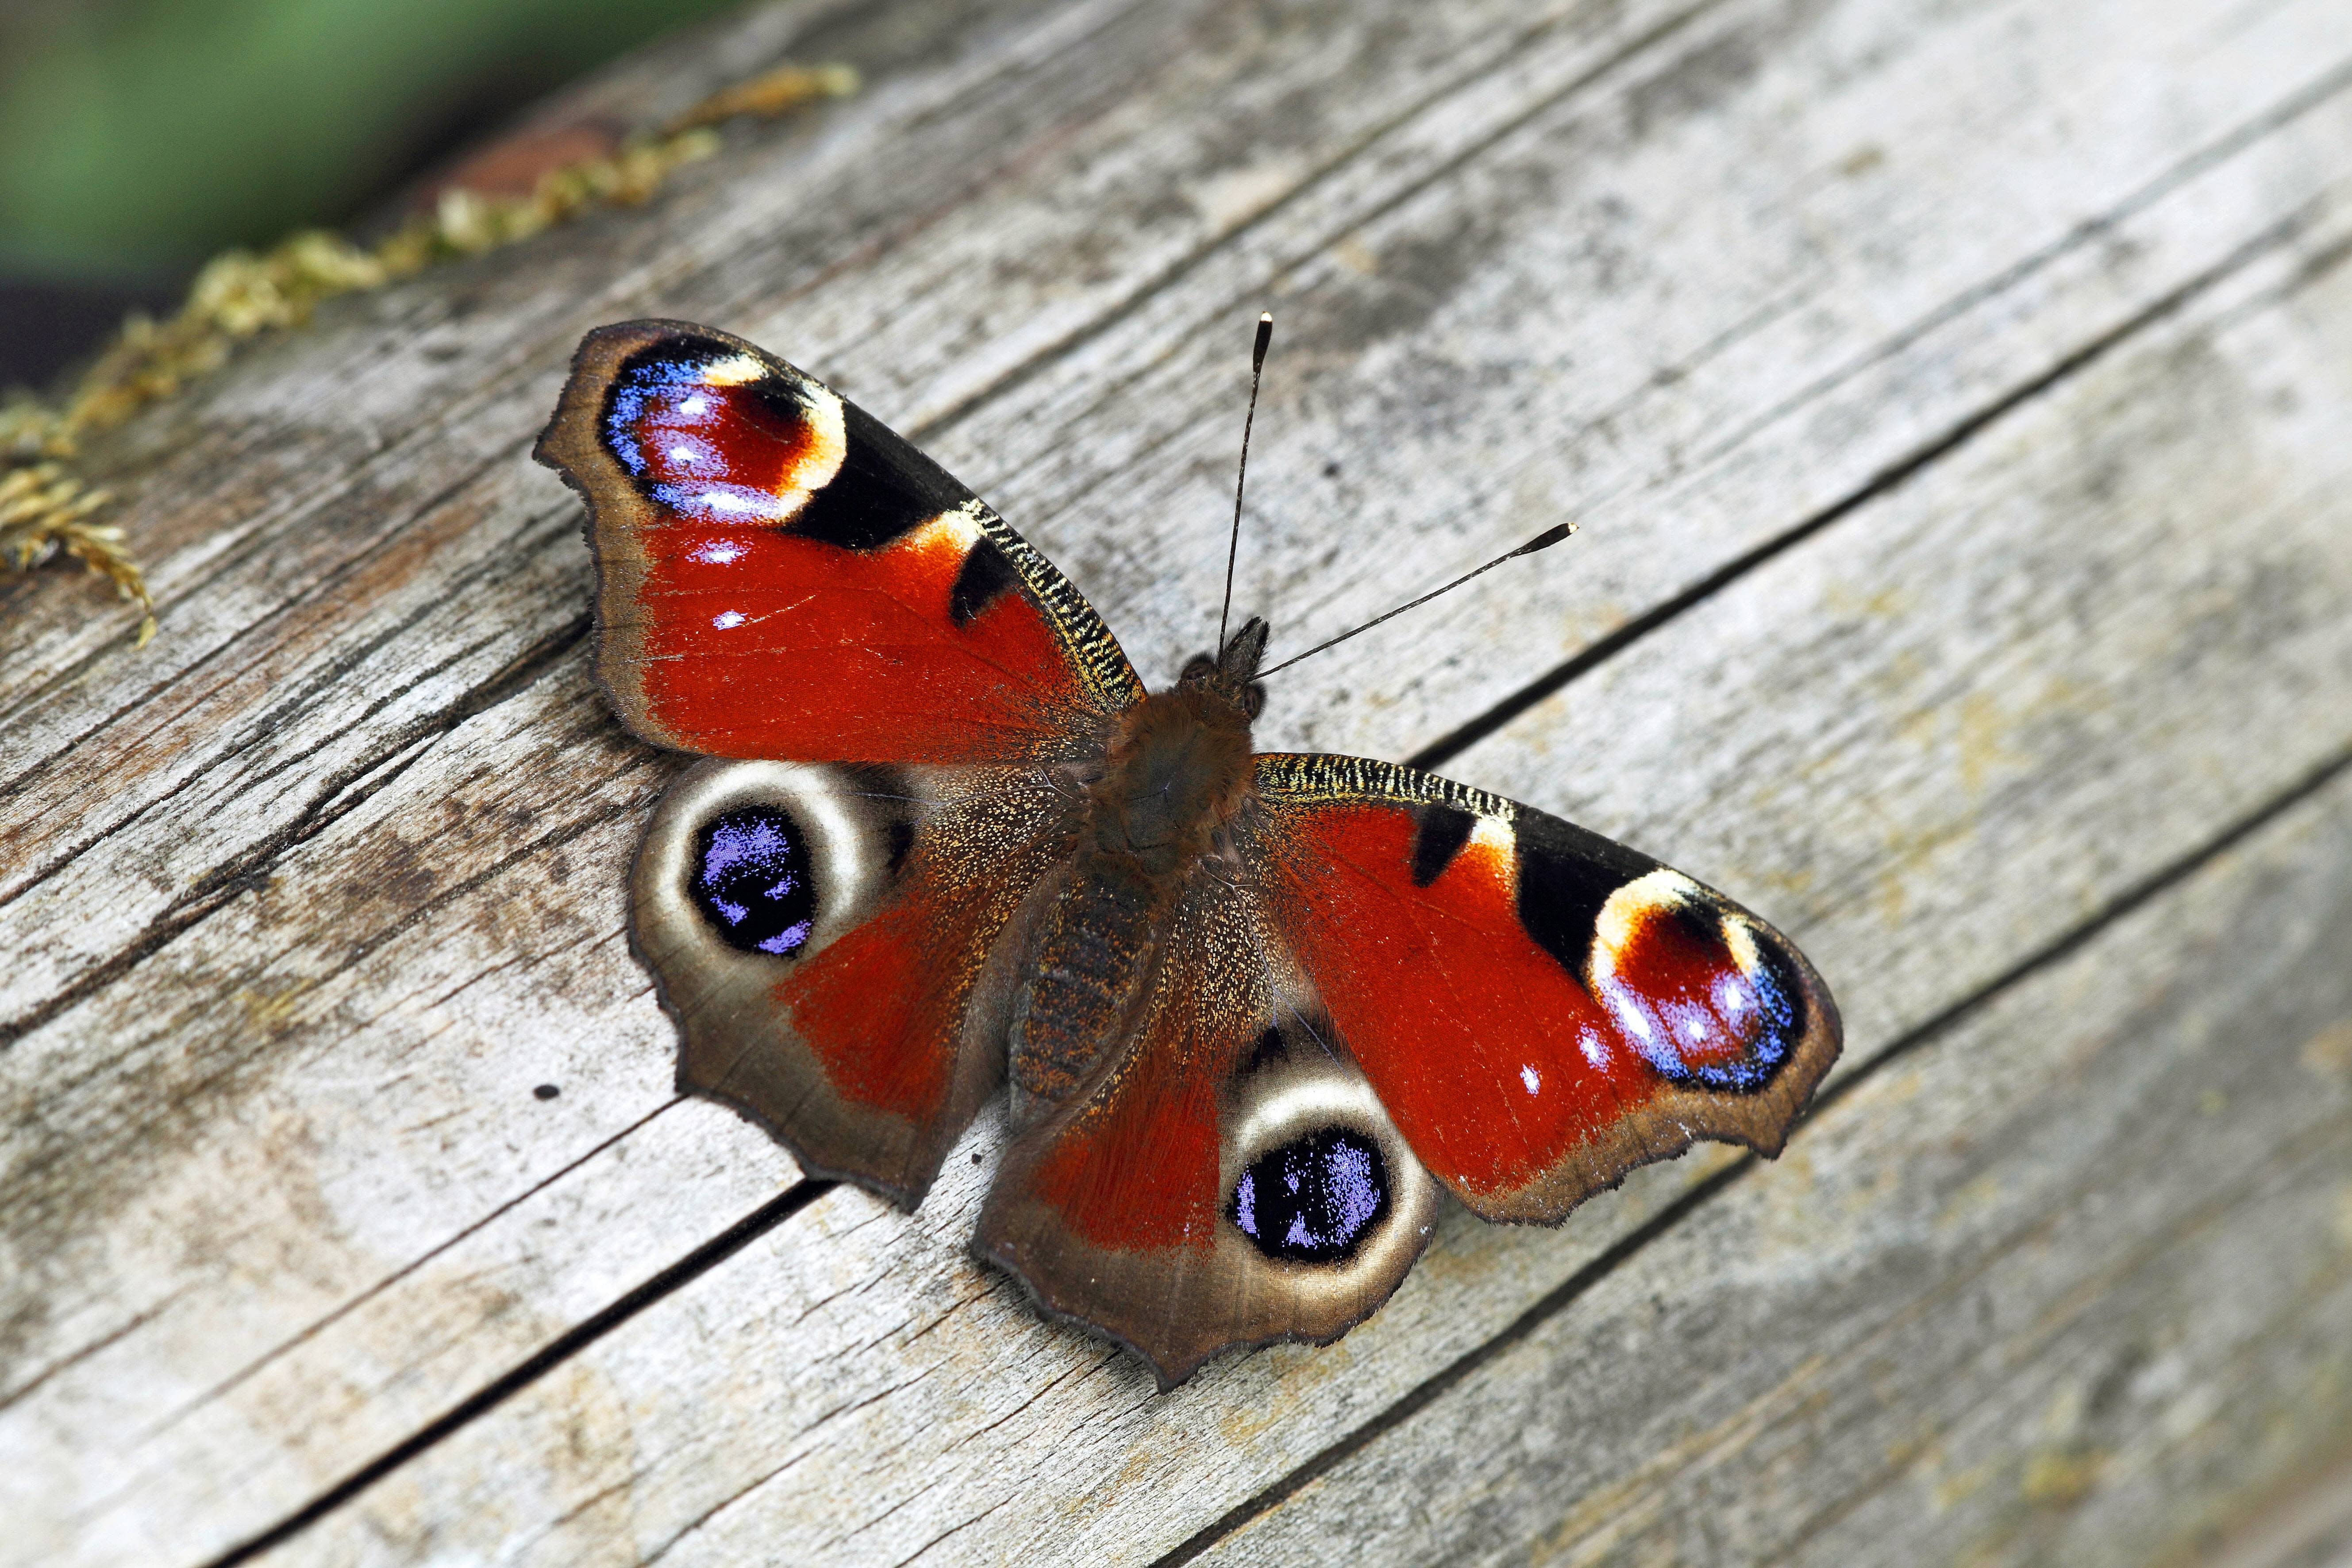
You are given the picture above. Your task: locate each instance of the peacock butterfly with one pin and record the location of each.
(1253, 1010)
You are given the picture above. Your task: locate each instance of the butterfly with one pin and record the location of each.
(1253, 1011)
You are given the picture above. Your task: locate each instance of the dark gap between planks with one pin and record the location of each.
(779, 1209)
(558, 1351)
(1029, 368)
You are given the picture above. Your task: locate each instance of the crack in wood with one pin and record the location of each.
(558, 1351)
(944, 1535)
(721, 1506)
(82, 1353)
(341, 793)
(1886, 480)
(345, 1309)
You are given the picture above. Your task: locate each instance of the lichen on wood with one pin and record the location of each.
(47, 510)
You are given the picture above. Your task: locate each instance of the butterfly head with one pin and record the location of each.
(1232, 672)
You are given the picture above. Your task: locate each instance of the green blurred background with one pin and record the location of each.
(139, 137)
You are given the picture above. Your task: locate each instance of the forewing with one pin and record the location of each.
(1539, 1008)
(1225, 1177)
(780, 575)
(838, 946)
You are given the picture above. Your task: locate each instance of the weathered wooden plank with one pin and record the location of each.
(910, 1395)
(2068, 1282)
(330, 1065)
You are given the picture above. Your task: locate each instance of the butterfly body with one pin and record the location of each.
(1158, 813)
(1253, 1010)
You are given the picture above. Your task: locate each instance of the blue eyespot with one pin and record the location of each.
(1758, 1012)
(751, 879)
(1313, 1199)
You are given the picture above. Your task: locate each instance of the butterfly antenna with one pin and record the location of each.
(1544, 541)
(1233, 548)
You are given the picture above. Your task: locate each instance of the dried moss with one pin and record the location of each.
(47, 510)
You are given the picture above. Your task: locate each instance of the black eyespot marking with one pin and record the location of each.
(749, 878)
(1268, 1050)
(986, 574)
(885, 490)
(1444, 830)
(1701, 925)
(902, 840)
(1565, 875)
(1314, 1199)
(546, 1092)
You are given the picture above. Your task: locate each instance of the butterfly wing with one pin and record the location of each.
(834, 919)
(1225, 1176)
(1409, 983)
(1540, 1009)
(838, 946)
(780, 575)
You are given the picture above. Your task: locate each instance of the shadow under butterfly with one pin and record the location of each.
(1253, 1011)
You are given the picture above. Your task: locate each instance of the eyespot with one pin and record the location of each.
(749, 878)
(1313, 1199)
(1707, 1000)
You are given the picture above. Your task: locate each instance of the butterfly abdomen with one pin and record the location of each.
(1090, 956)
(1177, 772)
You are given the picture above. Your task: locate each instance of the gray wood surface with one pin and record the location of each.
(1955, 398)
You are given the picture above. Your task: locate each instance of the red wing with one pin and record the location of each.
(780, 575)
(839, 945)
(1540, 1009)
(1222, 1177)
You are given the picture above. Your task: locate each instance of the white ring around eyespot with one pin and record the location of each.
(844, 853)
(1658, 890)
(1313, 1099)
(735, 370)
(1282, 1103)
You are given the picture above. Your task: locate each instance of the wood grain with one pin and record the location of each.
(1952, 397)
